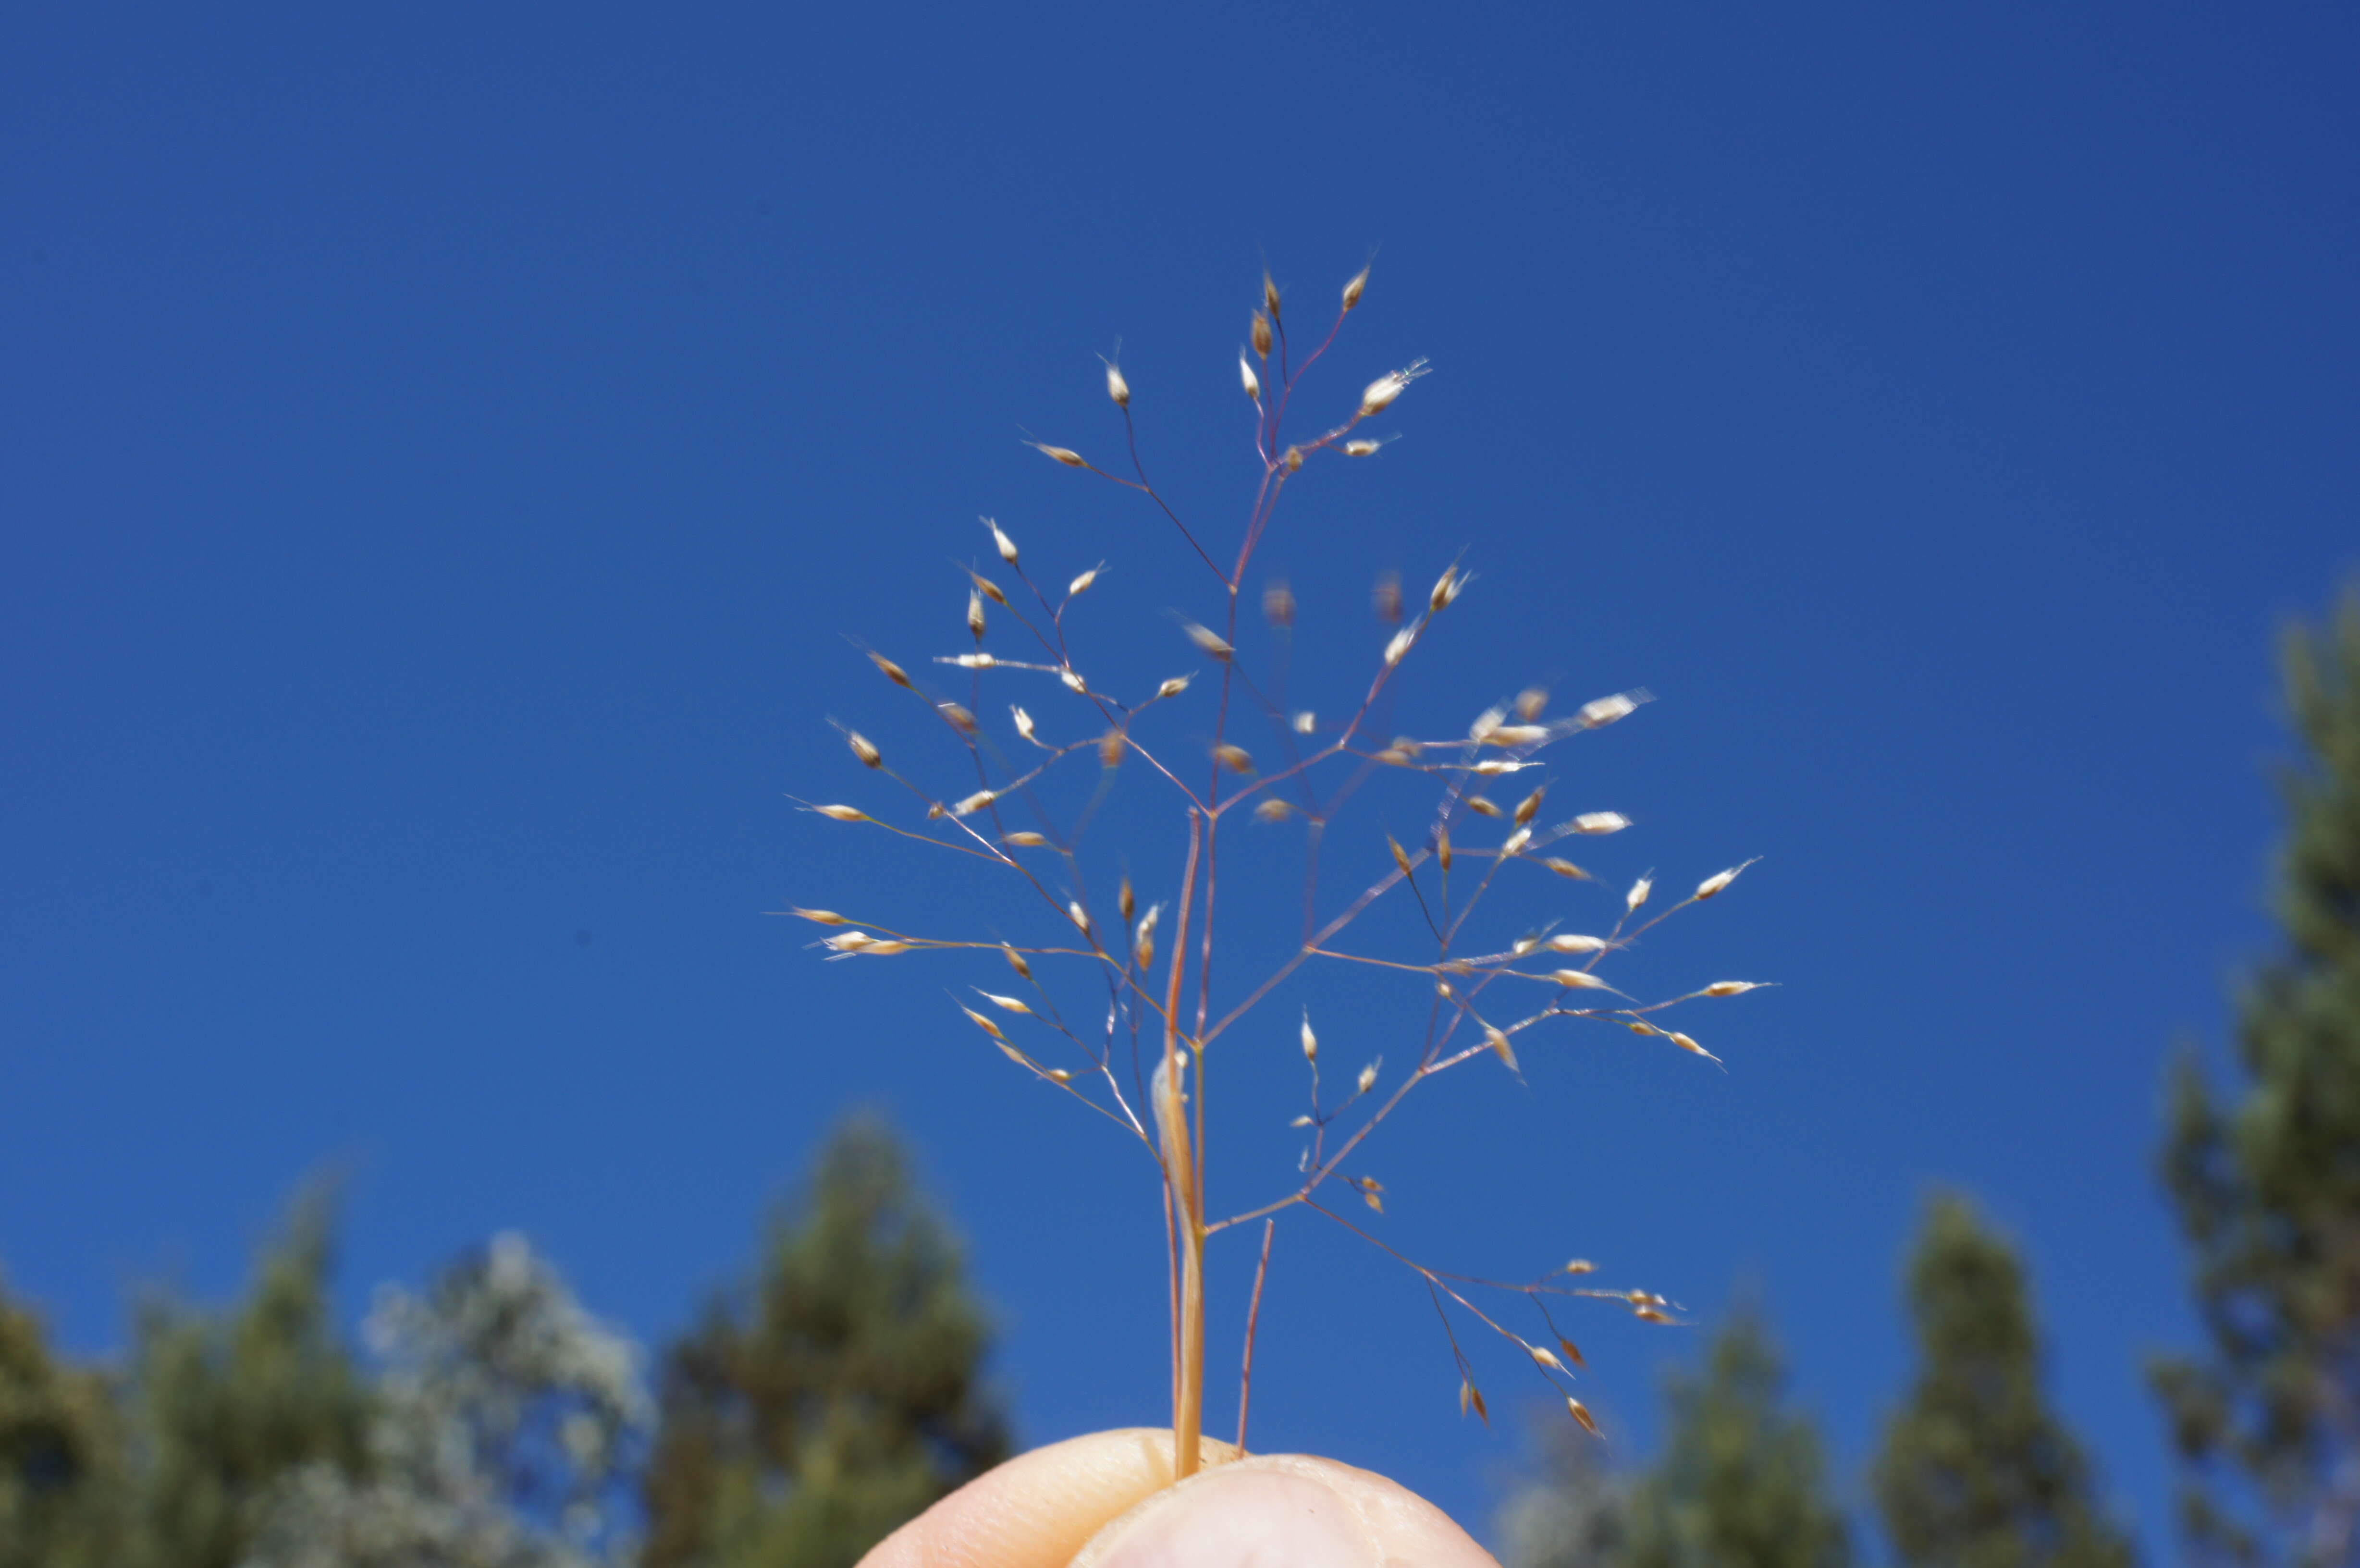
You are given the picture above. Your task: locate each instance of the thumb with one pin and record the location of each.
(1107, 1501)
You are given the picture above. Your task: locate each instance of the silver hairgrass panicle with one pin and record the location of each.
(1144, 1069)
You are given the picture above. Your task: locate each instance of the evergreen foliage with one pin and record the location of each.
(60, 1455)
(2269, 1187)
(839, 1395)
(1975, 1470)
(1575, 1513)
(1742, 1481)
(220, 1409)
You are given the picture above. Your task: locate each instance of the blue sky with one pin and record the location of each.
(453, 462)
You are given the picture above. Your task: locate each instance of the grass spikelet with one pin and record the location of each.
(1598, 822)
(1000, 541)
(1208, 641)
(1638, 894)
(1572, 1351)
(830, 917)
(1566, 868)
(1578, 980)
(1025, 838)
(1580, 1412)
(844, 814)
(893, 671)
(1273, 811)
(1544, 1356)
(1234, 757)
(1732, 988)
(1005, 1003)
(1016, 962)
(1573, 942)
(862, 749)
(985, 1024)
(1717, 881)
(1497, 1040)
(1471, 1398)
(1066, 455)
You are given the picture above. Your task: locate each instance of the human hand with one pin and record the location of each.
(1107, 1501)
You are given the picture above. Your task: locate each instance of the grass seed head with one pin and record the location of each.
(1268, 294)
(1581, 1266)
(1293, 459)
(1353, 289)
(1208, 641)
(1025, 838)
(1381, 393)
(974, 615)
(1246, 376)
(1600, 823)
(1259, 332)
(1066, 455)
(1369, 1075)
(1581, 1413)
(1385, 598)
(1578, 980)
(1573, 942)
(958, 718)
(1442, 848)
(1638, 894)
(1117, 388)
(1310, 1040)
(1572, 1351)
(1305, 722)
(1363, 447)
(1719, 880)
(1471, 1398)
(1401, 857)
(1278, 603)
(1126, 901)
(975, 802)
(1400, 646)
(1234, 757)
(1006, 1003)
(1005, 546)
(1023, 721)
(862, 749)
(893, 671)
(1273, 811)
(1530, 806)
(1543, 1355)
(844, 814)
(1016, 961)
(1143, 942)
(1110, 748)
(1174, 686)
(820, 917)
(1685, 1044)
(1445, 589)
(1081, 584)
(989, 589)
(1568, 870)
(1721, 987)
(1517, 841)
(1480, 806)
(986, 1025)
(1497, 1040)
(1606, 710)
(1531, 703)
(849, 941)
(1079, 915)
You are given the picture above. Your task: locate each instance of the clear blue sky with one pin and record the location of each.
(443, 461)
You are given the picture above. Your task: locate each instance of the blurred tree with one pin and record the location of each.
(1975, 1470)
(1574, 1513)
(839, 1396)
(2268, 1189)
(1742, 1483)
(60, 1457)
(499, 1437)
(219, 1410)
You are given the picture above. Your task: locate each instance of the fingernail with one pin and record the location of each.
(1232, 1517)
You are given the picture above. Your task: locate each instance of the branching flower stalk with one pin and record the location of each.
(1482, 1002)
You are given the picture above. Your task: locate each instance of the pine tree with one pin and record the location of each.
(1975, 1470)
(60, 1455)
(840, 1395)
(221, 1411)
(1742, 1482)
(2268, 1189)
